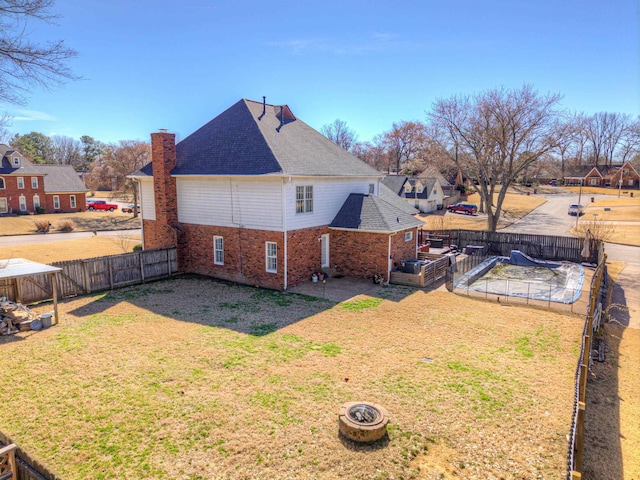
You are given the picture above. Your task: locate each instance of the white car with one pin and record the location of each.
(576, 209)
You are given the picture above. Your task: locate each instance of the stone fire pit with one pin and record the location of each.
(363, 421)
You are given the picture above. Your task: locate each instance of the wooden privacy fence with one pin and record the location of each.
(546, 247)
(21, 465)
(85, 276)
(597, 298)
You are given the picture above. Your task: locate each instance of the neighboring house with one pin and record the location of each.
(603, 176)
(24, 187)
(256, 196)
(63, 188)
(424, 194)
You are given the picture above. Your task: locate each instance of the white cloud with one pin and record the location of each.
(23, 115)
(377, 42)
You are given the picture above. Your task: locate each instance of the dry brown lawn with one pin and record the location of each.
(84, 222)
(71, 249)
(515, 206)
(191, 378)
(586, 190)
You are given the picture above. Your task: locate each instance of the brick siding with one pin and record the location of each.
(12, 193)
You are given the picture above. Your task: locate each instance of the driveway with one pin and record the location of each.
(551, 218)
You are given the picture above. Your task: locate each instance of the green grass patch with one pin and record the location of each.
(361, 304)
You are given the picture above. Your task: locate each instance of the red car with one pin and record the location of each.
(466, 208)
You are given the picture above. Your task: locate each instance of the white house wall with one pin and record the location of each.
(328, 196)
(147, 199)
(231, 202)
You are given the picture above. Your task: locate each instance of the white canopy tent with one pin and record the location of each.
(14, 268)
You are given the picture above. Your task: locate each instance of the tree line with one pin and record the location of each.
(495, 138)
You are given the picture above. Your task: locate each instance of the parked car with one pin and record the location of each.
(466, 208)
(101, 205)
(576, 209)
(129, 208)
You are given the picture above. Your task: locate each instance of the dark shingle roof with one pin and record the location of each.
(395, 183)
(389, 196)
(61, 179)
(250, 139)
(371, 213)
(6, 165)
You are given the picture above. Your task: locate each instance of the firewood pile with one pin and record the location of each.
(15, 317)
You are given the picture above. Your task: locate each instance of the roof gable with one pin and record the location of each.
(252, 138)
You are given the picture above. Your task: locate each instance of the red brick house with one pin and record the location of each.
(256, 196)
(603, 176)
(24, 187)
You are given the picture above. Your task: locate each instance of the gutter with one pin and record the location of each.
(284, 230)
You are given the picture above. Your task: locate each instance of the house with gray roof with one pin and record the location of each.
(29, 188)
(257, 196)
(424, 194)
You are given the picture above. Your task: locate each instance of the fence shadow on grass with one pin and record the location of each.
(602, 420)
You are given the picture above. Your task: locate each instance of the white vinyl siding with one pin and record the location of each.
(328, 196)
(231, 202)
(34, 182)
(20, 183)
(147, 200)
(218, 250)
(271, 252)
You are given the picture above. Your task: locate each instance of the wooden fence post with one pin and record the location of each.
(87, 280)
(141, 260)
(8, 462)
(110, 273)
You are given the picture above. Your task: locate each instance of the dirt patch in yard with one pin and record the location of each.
(192, 378)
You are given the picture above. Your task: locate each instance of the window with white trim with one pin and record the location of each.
(20, 183)
(218, 250)
(23, 203)
(631, 183)
(72, 201)
(56, 202)
(36, 201)
(16, 161)
(304, 198)
(593, 181)
(408, 236)
(271, 252)
(372, 188)
(34, 182)
(3, 205)
(2, 187)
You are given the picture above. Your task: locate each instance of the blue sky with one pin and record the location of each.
(150, 64)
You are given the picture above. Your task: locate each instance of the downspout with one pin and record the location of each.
(389, 260)
(284, 228)
(139, 187)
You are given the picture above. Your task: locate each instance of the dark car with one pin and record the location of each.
(466, 208)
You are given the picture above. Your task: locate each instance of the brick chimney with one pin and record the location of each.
(163, 159)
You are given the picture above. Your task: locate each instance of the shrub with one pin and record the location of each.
(40, 209)
(137, 247)
(42, 226)
(65, 226)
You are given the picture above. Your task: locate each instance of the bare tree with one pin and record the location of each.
(630, 141)
(493, 136)
(604, 132)
(67, 151)
(123, 159)
(340, 134)
(374, 153)
(24, 63)
(404, 142)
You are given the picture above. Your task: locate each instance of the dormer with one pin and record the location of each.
(419, 187)
(15, 161)
(407, 187)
